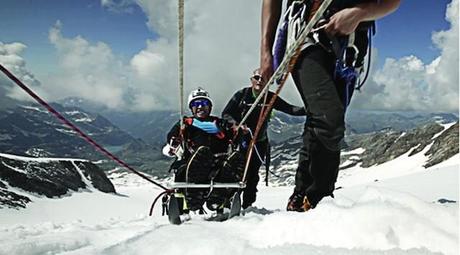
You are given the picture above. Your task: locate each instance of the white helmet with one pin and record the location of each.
(197, 94)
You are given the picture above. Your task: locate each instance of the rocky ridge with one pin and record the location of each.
(22, 179)
(437, 141)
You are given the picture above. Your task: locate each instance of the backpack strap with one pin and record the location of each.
(241, 104)
(220, 134)
(188, 121)
(187, 143)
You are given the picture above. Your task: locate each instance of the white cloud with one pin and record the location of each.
(119, 6)
(86, 70)
(443, 82)
(221, 50)
(409, 84)
(222, 47)
(10, 58)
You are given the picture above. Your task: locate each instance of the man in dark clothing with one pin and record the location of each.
(235, 111)
(322, 93)
(201, 146)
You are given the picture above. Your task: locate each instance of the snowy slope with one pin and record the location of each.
(401, 213)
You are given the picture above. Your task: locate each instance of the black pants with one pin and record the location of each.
(252, 177)
(319, 156)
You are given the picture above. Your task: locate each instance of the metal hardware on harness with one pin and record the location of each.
(351, 52)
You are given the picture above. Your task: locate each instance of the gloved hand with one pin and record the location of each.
(168, 151)
(207, 126)
(173, 148)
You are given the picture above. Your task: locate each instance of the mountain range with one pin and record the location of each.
(436, 143)
(373, 138)
(30, 130)
(151, 126)
(137, 138)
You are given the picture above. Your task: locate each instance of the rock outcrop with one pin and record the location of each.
(22, 178)
(432, 139)
(444, 146)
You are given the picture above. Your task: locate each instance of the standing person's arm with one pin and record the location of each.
(271, 12)
(231, 111)
(283, 106)
(345, 21)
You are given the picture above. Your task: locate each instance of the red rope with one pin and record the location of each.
(268, 108)
(76, 129)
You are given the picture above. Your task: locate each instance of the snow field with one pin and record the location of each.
(398, 214)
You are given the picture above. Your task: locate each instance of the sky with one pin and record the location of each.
(123, 53)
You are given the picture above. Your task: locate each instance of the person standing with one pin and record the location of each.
(234, 112)
(315, 77)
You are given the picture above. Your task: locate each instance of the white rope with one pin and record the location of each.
(180, 41)
(181, 55)
(255, 147)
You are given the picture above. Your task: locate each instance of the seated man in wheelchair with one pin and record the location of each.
(205, 152)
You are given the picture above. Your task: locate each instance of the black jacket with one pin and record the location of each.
(243, 99)
(195, 137)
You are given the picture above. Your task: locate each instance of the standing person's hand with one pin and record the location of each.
(266, 67)
(344, 22)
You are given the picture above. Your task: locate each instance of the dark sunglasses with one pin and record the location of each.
(201, 103)
(257, 77)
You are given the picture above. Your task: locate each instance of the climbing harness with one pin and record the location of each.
(292, 38)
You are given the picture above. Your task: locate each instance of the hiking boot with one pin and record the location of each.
(246, 204)
(249, 196)
(298, 202)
